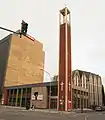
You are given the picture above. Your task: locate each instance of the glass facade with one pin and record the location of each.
(19, 97)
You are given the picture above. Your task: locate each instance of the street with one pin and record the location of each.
(18, 114)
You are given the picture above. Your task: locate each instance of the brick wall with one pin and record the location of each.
(26, 57)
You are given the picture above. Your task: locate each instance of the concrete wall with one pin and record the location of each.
(26, 57)
(41, 91)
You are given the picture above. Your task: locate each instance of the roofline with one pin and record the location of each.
(44, 84)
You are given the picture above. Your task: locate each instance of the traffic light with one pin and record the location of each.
(24, 27)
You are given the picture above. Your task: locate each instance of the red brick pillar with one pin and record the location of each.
(64, 77)
(5, 96)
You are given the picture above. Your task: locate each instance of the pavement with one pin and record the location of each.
(74, 111)
(11, 113)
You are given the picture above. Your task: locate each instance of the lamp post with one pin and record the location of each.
(50, 87)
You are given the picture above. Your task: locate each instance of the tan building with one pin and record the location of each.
(20, 61)
(86, 91)
(23, 78)
(90, 82)
(26, 57)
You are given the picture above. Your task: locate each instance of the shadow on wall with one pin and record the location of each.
(4, 54)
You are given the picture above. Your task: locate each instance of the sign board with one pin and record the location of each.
(33, 97)
(40, 97)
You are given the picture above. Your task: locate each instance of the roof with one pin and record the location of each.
(63, 11)
(30, 37)
(87, 73)
(34, 85)
(27, 35)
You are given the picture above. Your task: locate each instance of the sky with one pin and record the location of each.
(42, 16)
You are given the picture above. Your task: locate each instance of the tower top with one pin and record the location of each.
(63, 11)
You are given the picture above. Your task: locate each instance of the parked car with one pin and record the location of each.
(100, 108)
(103, 108)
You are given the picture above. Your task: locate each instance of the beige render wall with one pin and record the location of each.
(24, 63)
(41, 91)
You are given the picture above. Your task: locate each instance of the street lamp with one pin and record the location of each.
(50, 86)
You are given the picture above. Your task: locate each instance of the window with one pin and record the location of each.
(76, 80)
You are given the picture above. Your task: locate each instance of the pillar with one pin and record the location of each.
(12, 97)
(9, 94)
(5, 96)
(86, 103)
(26, 97)
(80, 98)
(83, 98)
(21, 97)
(76, 99)
(17, 96)
(64, 77)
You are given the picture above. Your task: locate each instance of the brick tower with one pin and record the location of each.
(64, 82)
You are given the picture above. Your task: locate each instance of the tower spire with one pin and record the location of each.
(65, 89)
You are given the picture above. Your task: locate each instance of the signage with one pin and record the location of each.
(40, 97)
(33, 97)
(62, 86)
(69, 86)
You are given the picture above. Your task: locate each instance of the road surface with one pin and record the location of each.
(19, 114)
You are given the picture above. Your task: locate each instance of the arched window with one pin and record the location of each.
(76, 80)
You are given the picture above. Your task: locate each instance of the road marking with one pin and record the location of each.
(85, 118)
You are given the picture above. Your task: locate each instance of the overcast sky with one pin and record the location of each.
(87, 26)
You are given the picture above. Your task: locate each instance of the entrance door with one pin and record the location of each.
(53, 103)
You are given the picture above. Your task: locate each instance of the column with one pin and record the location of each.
(12, 97)
(21, 97)
(86, 102)
(26, 97)
(64, 82)
(17, 96)
(76, 99)
(82, 101)
(83, 98)
(80, 98)
(9, 97)
(5, 96)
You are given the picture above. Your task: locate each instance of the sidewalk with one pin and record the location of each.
(74, 111)
(39, 110)
(84, 110)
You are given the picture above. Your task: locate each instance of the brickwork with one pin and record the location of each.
(26, 57)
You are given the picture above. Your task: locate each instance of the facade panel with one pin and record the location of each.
(26, 58)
